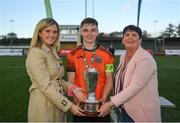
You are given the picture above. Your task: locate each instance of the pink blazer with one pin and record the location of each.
(140, 95)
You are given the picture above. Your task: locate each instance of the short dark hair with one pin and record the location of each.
(89, 21)
(133, 28)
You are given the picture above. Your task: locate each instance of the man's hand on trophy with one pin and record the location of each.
(78, 92)
(76, 110)
(105, 109)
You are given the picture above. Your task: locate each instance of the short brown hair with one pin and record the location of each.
(89, 21)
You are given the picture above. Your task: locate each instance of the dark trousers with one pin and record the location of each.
(125, 116)
(91, 119)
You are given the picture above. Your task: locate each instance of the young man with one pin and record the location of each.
(91, 55)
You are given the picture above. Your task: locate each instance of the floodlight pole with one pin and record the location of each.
(48, 8)
(93, 8)
(85, 8)
(155, 34)
(138, 14)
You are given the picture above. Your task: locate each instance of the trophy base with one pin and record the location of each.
(90, 109)
(91, 114)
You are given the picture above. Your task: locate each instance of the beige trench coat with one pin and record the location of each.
(46, 102)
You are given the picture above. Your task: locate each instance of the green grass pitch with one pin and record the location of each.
(14, 85)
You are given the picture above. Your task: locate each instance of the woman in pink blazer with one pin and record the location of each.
(136, 84)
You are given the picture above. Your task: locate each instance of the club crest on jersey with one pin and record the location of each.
(98, 59)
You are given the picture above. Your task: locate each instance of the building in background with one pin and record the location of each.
(69, 38)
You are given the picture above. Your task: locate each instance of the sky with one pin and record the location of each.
(21, 16)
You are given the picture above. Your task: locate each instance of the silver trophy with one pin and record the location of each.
(91, 106)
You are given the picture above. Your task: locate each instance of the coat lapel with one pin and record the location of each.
(130, 68)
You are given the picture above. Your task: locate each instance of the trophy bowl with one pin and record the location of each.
(90, 108)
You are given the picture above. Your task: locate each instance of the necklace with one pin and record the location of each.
(85, 61)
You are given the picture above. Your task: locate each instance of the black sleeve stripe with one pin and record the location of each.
(105, 50)
(75, 50)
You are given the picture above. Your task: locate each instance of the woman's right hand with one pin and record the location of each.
(76, 110)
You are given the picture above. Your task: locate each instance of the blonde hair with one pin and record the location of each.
(41, 25)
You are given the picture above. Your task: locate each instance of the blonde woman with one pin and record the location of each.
(47, 102)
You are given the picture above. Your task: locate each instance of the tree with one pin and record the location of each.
(165, 34)
(178, 30)
(101, 34)
(170, 30)
(11, 35)
(3, 37)
(145, 34)
(115, 34)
